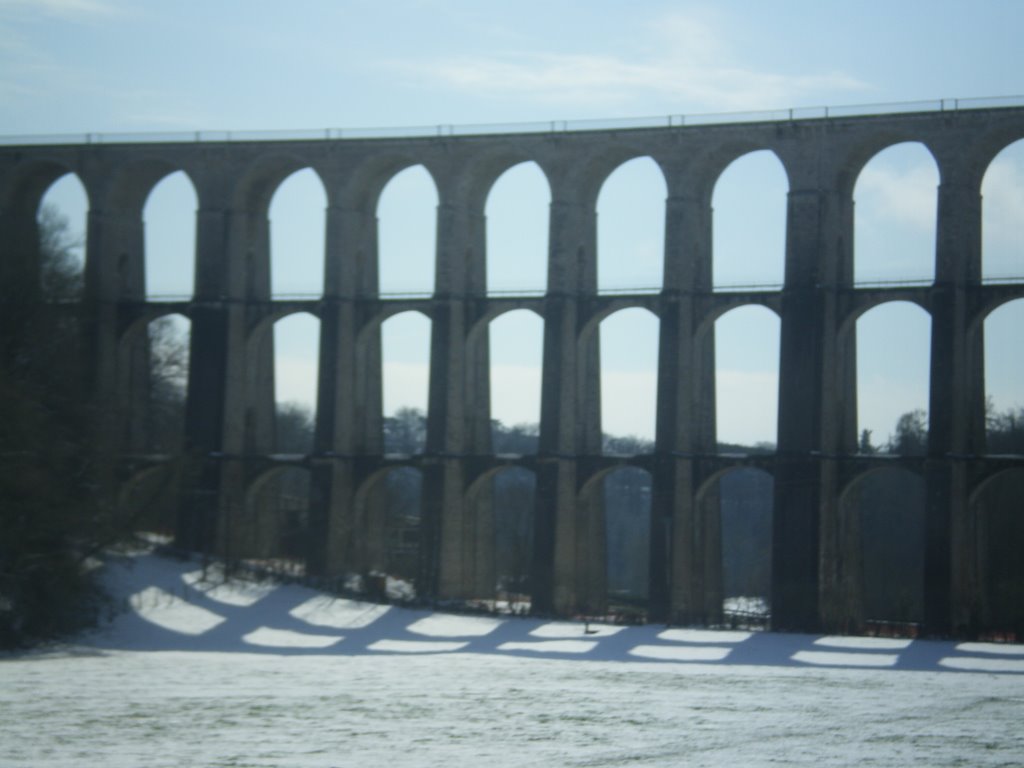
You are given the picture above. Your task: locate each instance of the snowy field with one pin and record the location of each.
(200, 673)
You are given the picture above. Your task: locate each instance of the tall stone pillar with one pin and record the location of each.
(119, 371)
(570, 423)
(448, 536)
(839, 586)
(685, 391)
(343, 415)
(113, 273)
(956, 397)
(211, 513)
(795, 530)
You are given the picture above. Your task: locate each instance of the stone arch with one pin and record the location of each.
(61, 224)
(751, 191)
(895, 213)
(23, 188)
(627, 517)
(153, 361)
(296, 353)
(1004, 374)
(868, 145)
(256, 185)
(387, 540)
(613, 534)
(501, 504)
(131, 183)
(407, 259)
(733, 549)
(275, 526)
(629, 374)
(250, 199)
(21, 205)
(1002, 196)
(631, 226)
(516, 346)
(169, 232)
(405, 355)
(517, 229)
(881, 551)
(296, 213)
(747, 343)
(126, 193)
(893, 353)
(999, 535)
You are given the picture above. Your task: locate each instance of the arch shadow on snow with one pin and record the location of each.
(169, 606)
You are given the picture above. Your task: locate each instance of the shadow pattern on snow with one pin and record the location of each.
(169, 605)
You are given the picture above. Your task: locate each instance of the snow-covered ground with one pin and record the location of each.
(201, 673)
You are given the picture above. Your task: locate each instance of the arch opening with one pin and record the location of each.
(631, 227)
(896, 204)
(893, 371)
(275, 534)
(298, 223)
(516, 355)
(405, 343)
(1004, 380)
(629, 381)
(388, 560)
(995, 510)
(169, 223)
(296, 366)
(1002, 196)
(62, 221)
(168, 340)
(407, 233)
(627, 535)
(749, 223)
(517, 213)
(882, 525)
(744, 498)
(747, 379)
(501, 515)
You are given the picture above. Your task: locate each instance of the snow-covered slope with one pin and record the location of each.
(175, 605)
(198, 672)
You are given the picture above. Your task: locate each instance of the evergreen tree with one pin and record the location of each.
(50, 514)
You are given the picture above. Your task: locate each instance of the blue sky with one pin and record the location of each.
(78, 66)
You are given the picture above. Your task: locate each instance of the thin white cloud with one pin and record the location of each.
(599, 80)
(61, 8)
(907, 196)
(698, 71)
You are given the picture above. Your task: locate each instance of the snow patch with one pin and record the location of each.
(680, 653)
(559, 629)
(268, 637)
(450, 625)
(234, 592)
(338, 613)
(865, 643)
(704, 636)
(416, 646)
(833, 659)
(1002, 650)
(551, 646)
(160, 607)
(981, 664)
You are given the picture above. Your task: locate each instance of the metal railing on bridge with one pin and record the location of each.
(548, 126)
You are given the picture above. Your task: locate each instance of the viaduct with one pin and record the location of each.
(229, 414)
